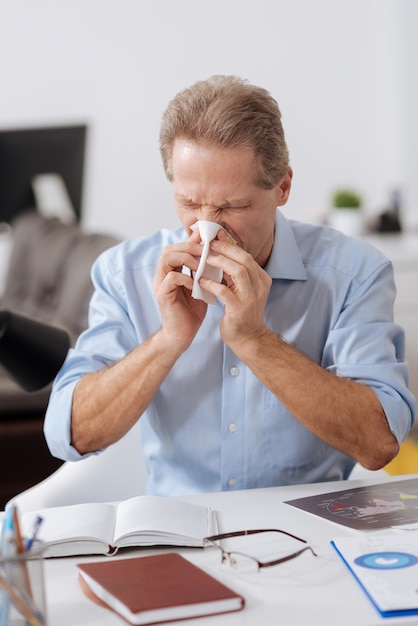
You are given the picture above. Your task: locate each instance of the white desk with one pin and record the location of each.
(317, 591)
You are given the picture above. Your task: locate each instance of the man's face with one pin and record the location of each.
(217, 184)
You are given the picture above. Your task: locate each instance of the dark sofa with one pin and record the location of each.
(48, 279)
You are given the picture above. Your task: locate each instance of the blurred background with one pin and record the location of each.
(344, 73)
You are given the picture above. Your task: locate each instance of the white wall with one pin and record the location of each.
(343, 71)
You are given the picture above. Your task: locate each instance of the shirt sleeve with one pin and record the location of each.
(366, 345)
(108, 338)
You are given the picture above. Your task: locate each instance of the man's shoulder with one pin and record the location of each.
(143, 251)
(321, 245)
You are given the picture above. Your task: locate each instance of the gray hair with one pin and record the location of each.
(229, 112)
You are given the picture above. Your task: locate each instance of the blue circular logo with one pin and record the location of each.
(386, 560)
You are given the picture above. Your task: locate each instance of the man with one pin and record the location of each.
(296, 372)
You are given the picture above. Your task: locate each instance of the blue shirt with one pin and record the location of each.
(213, 425)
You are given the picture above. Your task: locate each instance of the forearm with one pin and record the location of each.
(107, 403)
(345, 414)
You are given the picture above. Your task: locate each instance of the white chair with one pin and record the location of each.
(115, 474)
(359, 471)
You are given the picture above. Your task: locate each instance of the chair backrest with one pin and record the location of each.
(115, 474)
(359, 471)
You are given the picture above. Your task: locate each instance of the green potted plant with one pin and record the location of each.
(346, 199)
(346, 214)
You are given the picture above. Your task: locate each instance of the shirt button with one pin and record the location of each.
(234, 371)
(232, 428)
(232, 482)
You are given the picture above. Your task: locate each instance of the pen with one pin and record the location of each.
(16, 527)
(7, 550)
(20, 545)
(5, 608)
(13, 588)
(8, 537)
(30, 615)
(37, 523)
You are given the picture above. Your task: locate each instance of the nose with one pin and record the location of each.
(209, 213)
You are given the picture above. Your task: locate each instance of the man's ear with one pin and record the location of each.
(283, 188)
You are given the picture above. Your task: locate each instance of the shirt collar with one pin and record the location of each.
(285, 260)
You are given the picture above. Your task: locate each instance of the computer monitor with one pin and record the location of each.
(27, 152)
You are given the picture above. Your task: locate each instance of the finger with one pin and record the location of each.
(229, 248)
(226, 294)
(195, 236)
(190, 246)
(223, 235)
(169, 288)
(176, 257)
(233, 271)
(173, 280)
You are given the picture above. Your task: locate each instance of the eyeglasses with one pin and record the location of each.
(241, 560)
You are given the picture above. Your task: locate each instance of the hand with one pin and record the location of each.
(244, 291)
(181, 314)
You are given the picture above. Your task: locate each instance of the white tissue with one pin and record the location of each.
(208, 231)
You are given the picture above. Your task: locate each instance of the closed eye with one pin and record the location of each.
(235, 207)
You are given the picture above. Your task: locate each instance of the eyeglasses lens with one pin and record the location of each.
(245, 552)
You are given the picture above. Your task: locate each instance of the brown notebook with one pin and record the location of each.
(158, 588)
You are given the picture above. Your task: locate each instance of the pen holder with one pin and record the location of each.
(22, 588)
